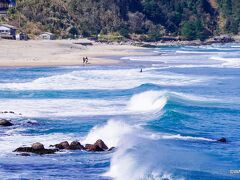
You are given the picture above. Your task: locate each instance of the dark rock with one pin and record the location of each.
(62, 145)
(32, 123)
(222, 140)
(24, 154)
(101, 144)
(11, 112)
(111, 149)
(4, 122)
(23, 149)
(75, 145)
(38, 146)
(36, 151)
(92, 147)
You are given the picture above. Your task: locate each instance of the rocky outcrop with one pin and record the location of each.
(75, 145)
(92, 147)
(98, 146)
(10, 112)
(36, 148)
(24, 154)
(62, 145)
(222, 140)
(101, 144)
(4, 122)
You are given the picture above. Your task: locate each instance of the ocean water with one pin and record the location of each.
(164, 121)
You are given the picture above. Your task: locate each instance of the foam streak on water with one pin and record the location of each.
(104, 79)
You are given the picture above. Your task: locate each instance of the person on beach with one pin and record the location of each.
(84, 60)
(141, 70)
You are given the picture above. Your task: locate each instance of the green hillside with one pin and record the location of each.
(148, 19)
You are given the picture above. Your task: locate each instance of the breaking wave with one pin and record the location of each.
(134, 147)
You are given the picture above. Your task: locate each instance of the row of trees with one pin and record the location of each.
(191, 19)
(154, 18)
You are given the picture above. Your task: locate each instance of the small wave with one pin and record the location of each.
(228, 62)
(154, 101)
(178, 137)
(147, 101)
(193, 52)
(235, 46)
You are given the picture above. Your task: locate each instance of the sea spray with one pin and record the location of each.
(111, 133)
(125, 164)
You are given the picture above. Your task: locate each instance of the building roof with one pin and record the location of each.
(8, 26)
(48, 33)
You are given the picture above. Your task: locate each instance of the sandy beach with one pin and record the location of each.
(59, 53)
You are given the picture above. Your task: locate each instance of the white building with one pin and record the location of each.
(47, 36)
(7, 31)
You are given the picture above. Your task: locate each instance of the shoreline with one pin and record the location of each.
(47, 53)
(54, 53)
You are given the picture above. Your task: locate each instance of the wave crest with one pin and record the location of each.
(147, 101)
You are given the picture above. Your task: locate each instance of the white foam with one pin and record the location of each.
(147, 102)
(150, 102)
(168, 58)
(129, 162)
(124, 165)
(192, 97)
(235, 46)
(193, 52)
(134, 146)
(228, 62)
(105, 79)
(111, 133)
(62, 107)
(178, 137)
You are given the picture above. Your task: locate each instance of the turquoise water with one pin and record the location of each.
(165, 121)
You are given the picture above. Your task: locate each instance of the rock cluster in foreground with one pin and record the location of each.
(38, 148)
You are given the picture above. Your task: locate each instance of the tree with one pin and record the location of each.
(188, 31)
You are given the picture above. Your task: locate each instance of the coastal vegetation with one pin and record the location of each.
(145, 19)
